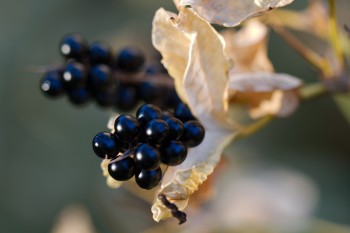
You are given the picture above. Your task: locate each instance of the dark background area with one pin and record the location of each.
(46, 160)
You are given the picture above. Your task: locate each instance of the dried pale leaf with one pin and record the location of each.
(181, 181)
(206, 75)
(112, 183)
(247, 48)
(232, 12)
(263, 82)
(265, 93)
(281, 104)
(173, 43)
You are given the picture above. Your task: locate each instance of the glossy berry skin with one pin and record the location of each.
(101, 76)
(126, 128)
(148, 179)
(51, 84)
(79, 95)
(156, 131)
(147, 157)
(130, 60)
(148, 112)
(73, 46)
(173, 153)
(123, 169)
(176, 128)
(183, 113)
(105, 144)
(75, 74)
(193, 134)
(126, 97)
(100, 53)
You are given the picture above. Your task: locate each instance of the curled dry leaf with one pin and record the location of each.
(265, 93)
(247, 48)
(203, 84)
(230, 13)
(251, 80)
(206, 79)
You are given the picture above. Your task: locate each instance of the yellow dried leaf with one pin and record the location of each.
(247, 48)
(265, 93)
(230, 13)
(181, 181)
(175, 58)
(201, 74)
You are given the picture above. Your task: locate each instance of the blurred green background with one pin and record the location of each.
(46, 160)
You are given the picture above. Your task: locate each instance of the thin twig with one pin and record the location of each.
(309, 55)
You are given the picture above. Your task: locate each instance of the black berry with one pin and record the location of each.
(126, 97)
(130, 59)
(156, 131)
(147, 157)
(73, 46)
(51, 84)
(176, 128)
(148, 179)
(193, 134)
(173, 153)
(183, 113)
(101, 76)
(100, 52)
(75, 74)
(126, 127)
(105, 144)
(148, 112)
(79, 95)
(123, 169)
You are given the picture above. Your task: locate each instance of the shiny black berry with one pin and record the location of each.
(193, 134)
(73, 46)
(130, 60)
(126, 127)
(156, 131)
(100, 53)
(148, 179)
(147, 157)
(123, 169)
(183, 113)
(75, 74)
(176, 128)
(126, 97)
(173, 153)
(105, 144)
(79, 95)
(148, 112)
(101, 76)
(51, 84)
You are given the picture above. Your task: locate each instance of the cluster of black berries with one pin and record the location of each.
(139, 145)
(91, 72)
